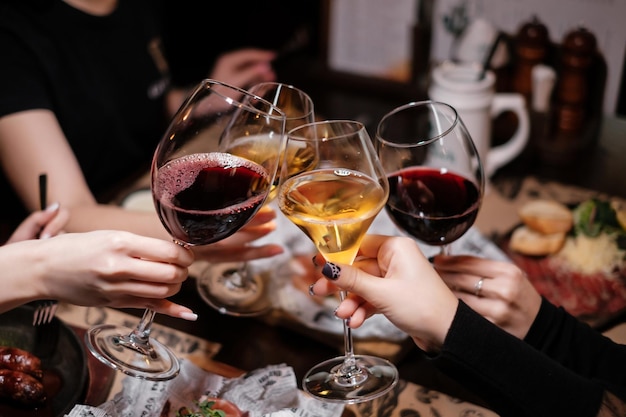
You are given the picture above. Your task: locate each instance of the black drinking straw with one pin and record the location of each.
(489, 57)
(43, 190)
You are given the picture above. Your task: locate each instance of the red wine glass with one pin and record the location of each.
(207, 183)
(436, 178)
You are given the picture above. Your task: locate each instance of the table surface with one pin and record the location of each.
(248, 343)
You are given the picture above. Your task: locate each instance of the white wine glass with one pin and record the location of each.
(333, 199)
(436, 178)
(205, 187)
(235, 288)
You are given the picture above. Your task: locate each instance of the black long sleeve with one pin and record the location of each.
(514, 378)
(579, 347)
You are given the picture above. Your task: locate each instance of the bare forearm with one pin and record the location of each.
(20, 274)
(100, 217)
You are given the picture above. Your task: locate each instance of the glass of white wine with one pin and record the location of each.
(333, 199)
(235, 288)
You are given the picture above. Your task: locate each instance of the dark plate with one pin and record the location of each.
(63, 360)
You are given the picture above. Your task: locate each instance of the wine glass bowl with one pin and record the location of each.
(295, 103)
(435, 174)
(206, 186)
(333, 198)
(242, 290)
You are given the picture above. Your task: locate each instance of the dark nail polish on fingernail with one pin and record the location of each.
(431, 259)
(331, 271)
(311, 292)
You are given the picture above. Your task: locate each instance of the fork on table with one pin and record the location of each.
(44, 309)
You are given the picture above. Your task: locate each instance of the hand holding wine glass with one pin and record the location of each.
(233, 287)
(436, 178)
(205, 188)
(333, 198)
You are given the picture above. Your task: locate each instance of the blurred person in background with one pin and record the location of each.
(86, 94)
(194, 35)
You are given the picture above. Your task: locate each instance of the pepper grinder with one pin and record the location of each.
(572, 93)
(531, 48)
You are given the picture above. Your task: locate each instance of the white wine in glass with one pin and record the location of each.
(333, 201)
(234, 288)
(205, 188)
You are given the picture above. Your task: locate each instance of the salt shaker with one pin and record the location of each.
(543, 82)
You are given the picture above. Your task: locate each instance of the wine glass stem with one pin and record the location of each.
(445, 250)
(238, 278)
(139, 339)
(142, 331)
(349, 363)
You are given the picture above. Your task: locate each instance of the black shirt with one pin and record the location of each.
(562, 368)
(104, 77)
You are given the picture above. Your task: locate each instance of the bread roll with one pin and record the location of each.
(546, 216)
(530, 242)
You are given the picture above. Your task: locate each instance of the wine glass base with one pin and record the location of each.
(117, 347)
(232, 289)
(371, 378)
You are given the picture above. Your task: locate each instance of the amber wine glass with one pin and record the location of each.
(205, 188)
(234, 288)
(334, 200)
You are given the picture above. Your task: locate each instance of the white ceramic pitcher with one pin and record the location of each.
(476, 101)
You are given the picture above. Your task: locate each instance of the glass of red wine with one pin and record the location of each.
(208, 181)
(435, 175)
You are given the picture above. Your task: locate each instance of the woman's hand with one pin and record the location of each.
(101, 268)
(244, 67)
(394, 278)
(505, 297)
(236, 248)
(41, 224)
(241, 68)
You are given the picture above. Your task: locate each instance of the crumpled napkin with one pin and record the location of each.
(270, 391)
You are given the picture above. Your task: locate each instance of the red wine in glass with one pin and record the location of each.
(435, 175)
(435, 207)
(211, 205)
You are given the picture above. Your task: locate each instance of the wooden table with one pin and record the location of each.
(105, 383)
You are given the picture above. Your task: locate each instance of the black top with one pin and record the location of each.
(561, 369)
(103, 77)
